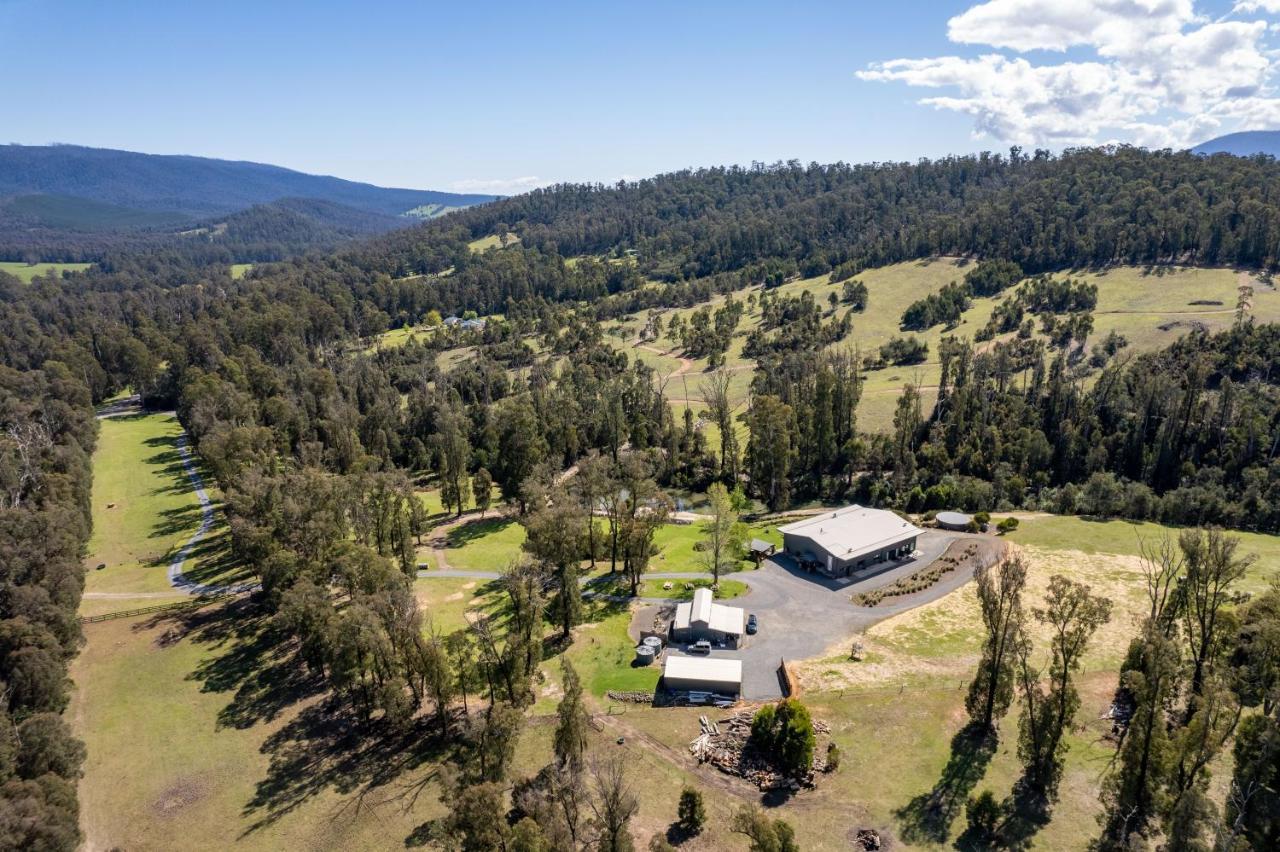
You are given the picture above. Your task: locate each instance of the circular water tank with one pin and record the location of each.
(953, 520)
(653, 642)
(645, 655)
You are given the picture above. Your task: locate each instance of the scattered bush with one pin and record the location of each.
(902, 351)
(1007, 525)
(833, 757)
(992, 276)
(691, 812)
(941, 308)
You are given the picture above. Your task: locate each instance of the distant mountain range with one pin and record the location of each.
(1243, 144)
(70, 202)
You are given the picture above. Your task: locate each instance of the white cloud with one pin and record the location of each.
(1110, 25)
(1160, 74)
(500, 186)
(1271, 7)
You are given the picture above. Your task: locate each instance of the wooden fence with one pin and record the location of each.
(146, 610)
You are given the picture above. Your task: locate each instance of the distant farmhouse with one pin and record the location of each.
(848, 540)
(702, 618)
(465, 324)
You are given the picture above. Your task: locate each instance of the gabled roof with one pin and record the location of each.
(704, 611)
(759, 545)
(853, 531)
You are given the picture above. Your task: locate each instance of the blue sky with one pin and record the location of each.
(498, 96)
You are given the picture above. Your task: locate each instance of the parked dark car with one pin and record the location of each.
(752, 624)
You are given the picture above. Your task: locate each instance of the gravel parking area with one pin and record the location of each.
(801, 615)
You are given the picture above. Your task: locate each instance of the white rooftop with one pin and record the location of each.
(853, 531)
(718, 669)
(703, 610)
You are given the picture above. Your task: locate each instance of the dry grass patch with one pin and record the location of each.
(942, 639)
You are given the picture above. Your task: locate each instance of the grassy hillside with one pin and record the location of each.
(1151, 308)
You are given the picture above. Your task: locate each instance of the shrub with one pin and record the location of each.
(1007, 525)
(784, 731)
(691, 812)
(833, 757)
(762, 728)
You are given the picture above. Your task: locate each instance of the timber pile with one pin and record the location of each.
(634, 697)
(867, 839)
(725, 745)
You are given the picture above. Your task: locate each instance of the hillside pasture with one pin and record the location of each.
(1150, 306)
(26, 271)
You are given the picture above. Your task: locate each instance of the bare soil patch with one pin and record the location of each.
(186, 791)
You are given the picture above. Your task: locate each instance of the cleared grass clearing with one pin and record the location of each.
(489, 544)
(493, 242)
(199, 728)
(603, 654)
(26, 271)
(238, 270)
(430, 498)
(446, 601)
(144, 509)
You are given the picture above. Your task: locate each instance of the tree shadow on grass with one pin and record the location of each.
(927, 818)
(178, 521)
(251, 657)
(328, 747)
(1026, 812)
(461, 536)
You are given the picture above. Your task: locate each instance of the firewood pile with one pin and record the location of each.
(634, 697)
(725, 745)
(867, 839)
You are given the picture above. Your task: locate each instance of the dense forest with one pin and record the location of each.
(315, 438)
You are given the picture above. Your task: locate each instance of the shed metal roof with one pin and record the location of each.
(853, 531)
(716, 669)
(703, 610)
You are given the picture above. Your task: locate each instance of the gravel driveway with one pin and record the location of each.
(802, 614)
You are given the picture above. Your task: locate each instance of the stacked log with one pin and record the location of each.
(634, 697)
(725, 745)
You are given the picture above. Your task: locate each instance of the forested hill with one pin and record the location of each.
(1245, 144)
(195, 186)
(313, 435)
(71, 204)
(1090, 206)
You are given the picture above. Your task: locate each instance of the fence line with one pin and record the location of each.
(129, 613)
